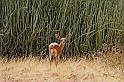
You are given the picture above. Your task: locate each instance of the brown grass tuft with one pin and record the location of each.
(32, 70)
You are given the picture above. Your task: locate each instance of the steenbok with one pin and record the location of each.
(55, 49)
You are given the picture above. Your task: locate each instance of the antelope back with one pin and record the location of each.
(54, 48)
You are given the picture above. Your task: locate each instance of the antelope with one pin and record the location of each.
(55, 49)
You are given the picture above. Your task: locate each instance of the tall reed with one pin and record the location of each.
(27, 26)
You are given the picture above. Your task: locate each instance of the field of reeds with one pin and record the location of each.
(95, 52)
(27, 26)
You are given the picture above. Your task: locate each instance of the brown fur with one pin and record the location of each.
(56, 49)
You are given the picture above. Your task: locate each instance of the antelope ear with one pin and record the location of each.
(57, 35)
(68, 37)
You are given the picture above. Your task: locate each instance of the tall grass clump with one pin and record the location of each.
(27, 26)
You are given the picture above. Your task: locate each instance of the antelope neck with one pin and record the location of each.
(61, 46)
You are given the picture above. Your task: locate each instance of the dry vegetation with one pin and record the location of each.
(27, 27)
(81, 70)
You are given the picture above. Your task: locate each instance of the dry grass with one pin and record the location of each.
(32, 70)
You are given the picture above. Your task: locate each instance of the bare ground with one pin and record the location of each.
(31, 70)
